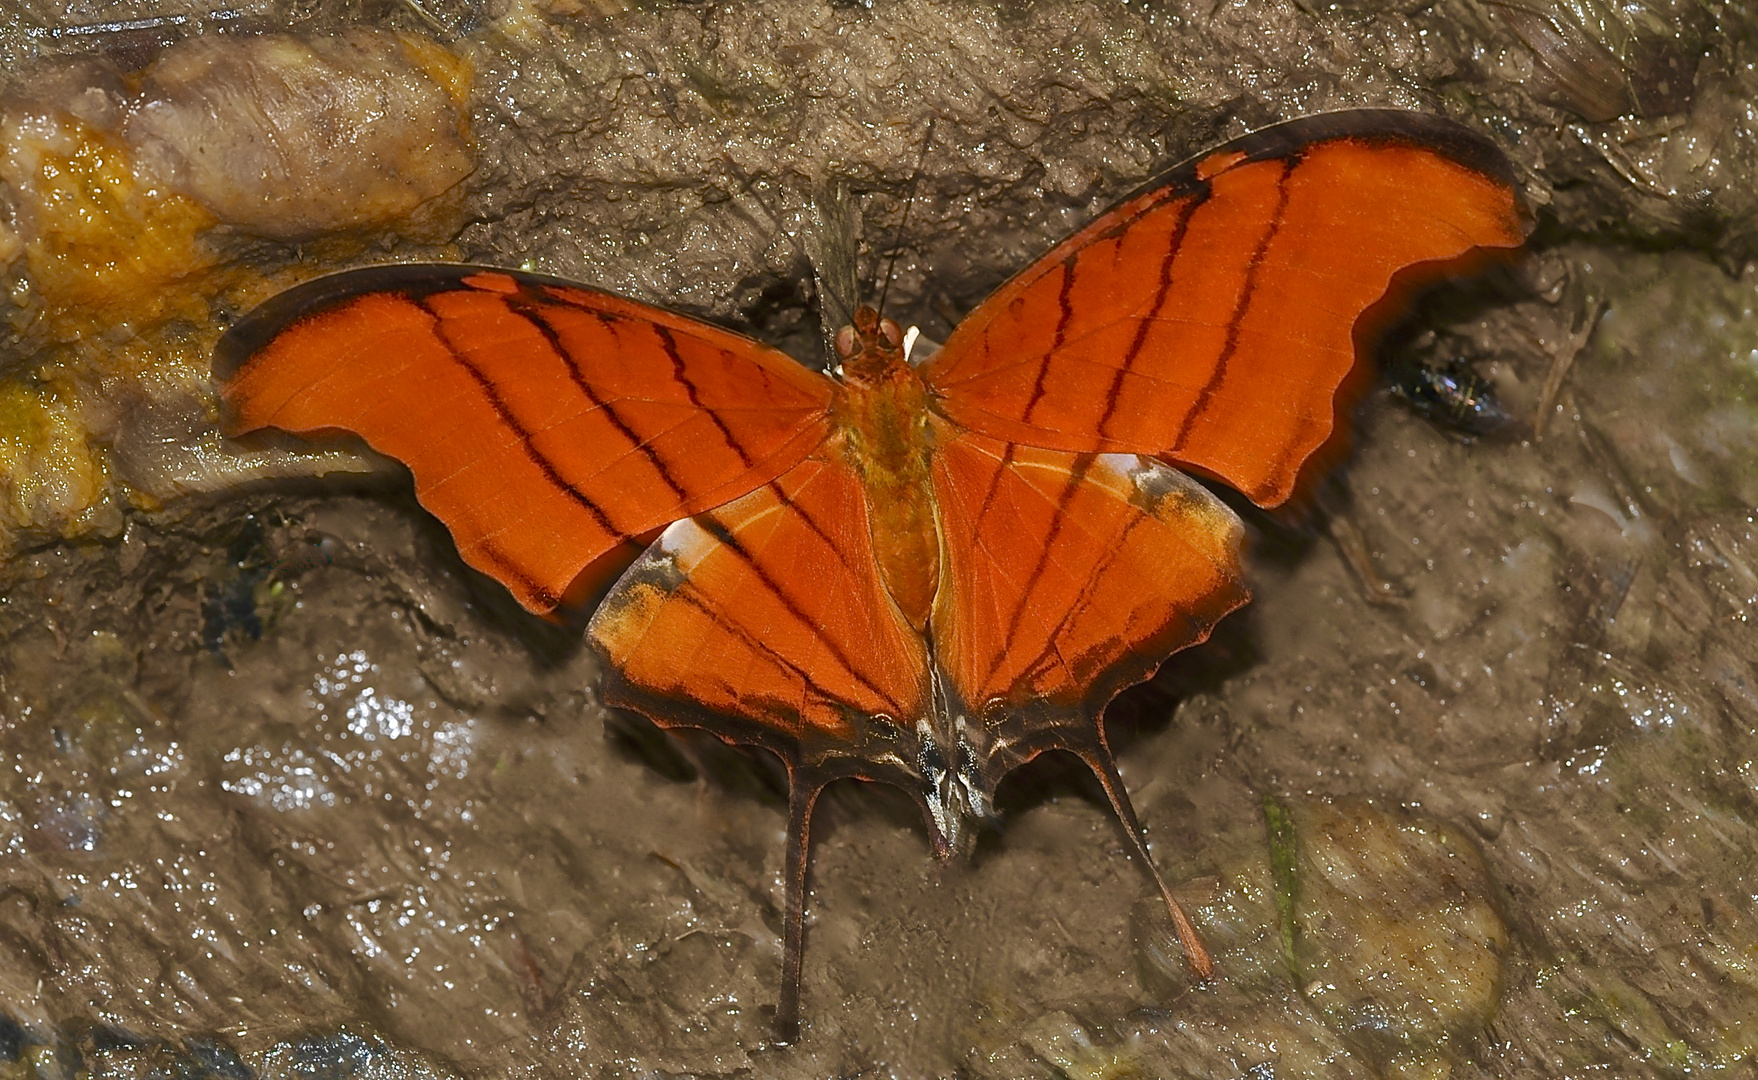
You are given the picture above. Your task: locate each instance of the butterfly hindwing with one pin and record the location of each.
(768, 610)
(1071, 576)
(1211, 319)
(547, 425)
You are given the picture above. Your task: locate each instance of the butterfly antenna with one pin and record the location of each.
(909, 200)
(803, 789)
(814, 249)
(1098, 758)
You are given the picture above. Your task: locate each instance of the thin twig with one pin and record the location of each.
(1562, 359)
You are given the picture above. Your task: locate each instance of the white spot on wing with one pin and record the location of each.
(686, 542)
(1123, 464)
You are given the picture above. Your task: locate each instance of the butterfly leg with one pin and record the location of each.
(1097, 755)
(804, 786)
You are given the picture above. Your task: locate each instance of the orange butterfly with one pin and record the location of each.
(925, 575)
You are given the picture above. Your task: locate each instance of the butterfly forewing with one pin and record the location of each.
(547, 425)
(1211, 321)
(768, 610)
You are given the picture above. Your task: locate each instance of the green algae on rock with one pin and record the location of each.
(1391, 927)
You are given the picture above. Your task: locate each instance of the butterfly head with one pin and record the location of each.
(870, 347)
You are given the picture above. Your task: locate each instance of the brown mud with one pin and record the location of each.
(1469, 789)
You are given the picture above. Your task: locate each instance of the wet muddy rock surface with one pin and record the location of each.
(286, 791)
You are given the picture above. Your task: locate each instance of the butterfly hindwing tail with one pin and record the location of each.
(1070, 577)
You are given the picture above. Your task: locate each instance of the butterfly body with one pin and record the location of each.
(883, 407)
(879, 448)
(923, 575)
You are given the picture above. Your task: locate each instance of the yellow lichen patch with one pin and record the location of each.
(129, 195)
(104, 248)
(51, 477)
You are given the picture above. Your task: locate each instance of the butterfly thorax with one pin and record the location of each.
(882, 412)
